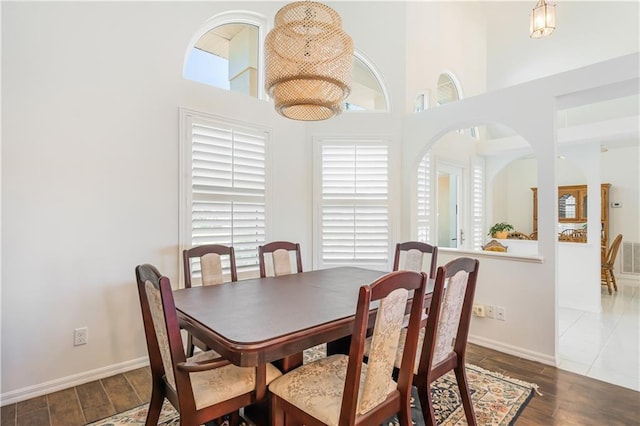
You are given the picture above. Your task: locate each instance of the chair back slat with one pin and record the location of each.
(413, 260)
(414, 255)
(384, 346)
(450, 314)
(211, 265)
(160, 327)
(210, 258)
(279, 254)
(281, 262)
(613, 249)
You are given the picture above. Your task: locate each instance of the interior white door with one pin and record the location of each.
(449, 205)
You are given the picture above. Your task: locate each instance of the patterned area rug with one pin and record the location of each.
(497, 400)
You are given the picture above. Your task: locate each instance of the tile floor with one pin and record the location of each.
(604, 346)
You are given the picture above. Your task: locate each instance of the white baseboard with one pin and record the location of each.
(628, 279)
(513, 350)
(70, 381)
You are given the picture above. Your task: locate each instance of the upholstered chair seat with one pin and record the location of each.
(317, 387)
(221, 384)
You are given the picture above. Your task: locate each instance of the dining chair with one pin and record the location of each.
(442, 343)
(211, 273)
(516, 235)
(341, 389)
(201, 388)
(606, 271)
(279, 253)
(210, 257)
(495, 245)
(414, 252)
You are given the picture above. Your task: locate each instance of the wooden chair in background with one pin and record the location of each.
(211, 272)
(495, 245)
(342, 390)
(201, 388)
(280, 259)
(573, 235)
(414, 257)
(517, 236)
(606, 270)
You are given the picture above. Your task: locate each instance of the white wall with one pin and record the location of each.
(444, 36)
(520, 287)
(621, 168)
(586, 32)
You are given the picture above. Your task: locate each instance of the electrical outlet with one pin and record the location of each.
(80, 336)
(500, 313)
(478, 310)
(490, 311)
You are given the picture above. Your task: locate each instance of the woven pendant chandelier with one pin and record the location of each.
(308, 62)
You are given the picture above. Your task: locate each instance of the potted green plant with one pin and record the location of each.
(500, 230)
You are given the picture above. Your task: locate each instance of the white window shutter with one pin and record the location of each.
(354, 199)
(227, 187)
(424, 192)
(477, 191)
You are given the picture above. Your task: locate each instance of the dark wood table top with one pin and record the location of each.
(265, 319)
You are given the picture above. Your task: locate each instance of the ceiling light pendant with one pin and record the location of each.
(308, 62)
(543, 19)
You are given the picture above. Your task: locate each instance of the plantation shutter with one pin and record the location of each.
(477, 177)
(424, 199)
(354, 204)
(228, 188)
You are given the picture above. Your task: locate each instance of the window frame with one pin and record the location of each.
(185, 237)
(234, 17)
(393, 169)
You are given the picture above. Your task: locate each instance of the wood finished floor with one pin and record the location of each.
(567, 398)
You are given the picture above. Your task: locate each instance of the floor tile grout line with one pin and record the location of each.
(48, 410)
(132, 387)
(108, 397)
(84, 417)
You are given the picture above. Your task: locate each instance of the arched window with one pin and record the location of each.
(449, 91)
(227, 53)
(367, 90)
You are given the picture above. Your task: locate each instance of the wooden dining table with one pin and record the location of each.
(262, 320)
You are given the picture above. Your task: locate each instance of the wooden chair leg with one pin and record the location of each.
(426, 404)
(404, 415)
(190, 346)
(465, 394)
(613, 279)
(608, 276)
(155, 406)
(277, 416)
(234, 418)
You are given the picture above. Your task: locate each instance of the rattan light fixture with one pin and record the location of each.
(308, 62)
(543, 19)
